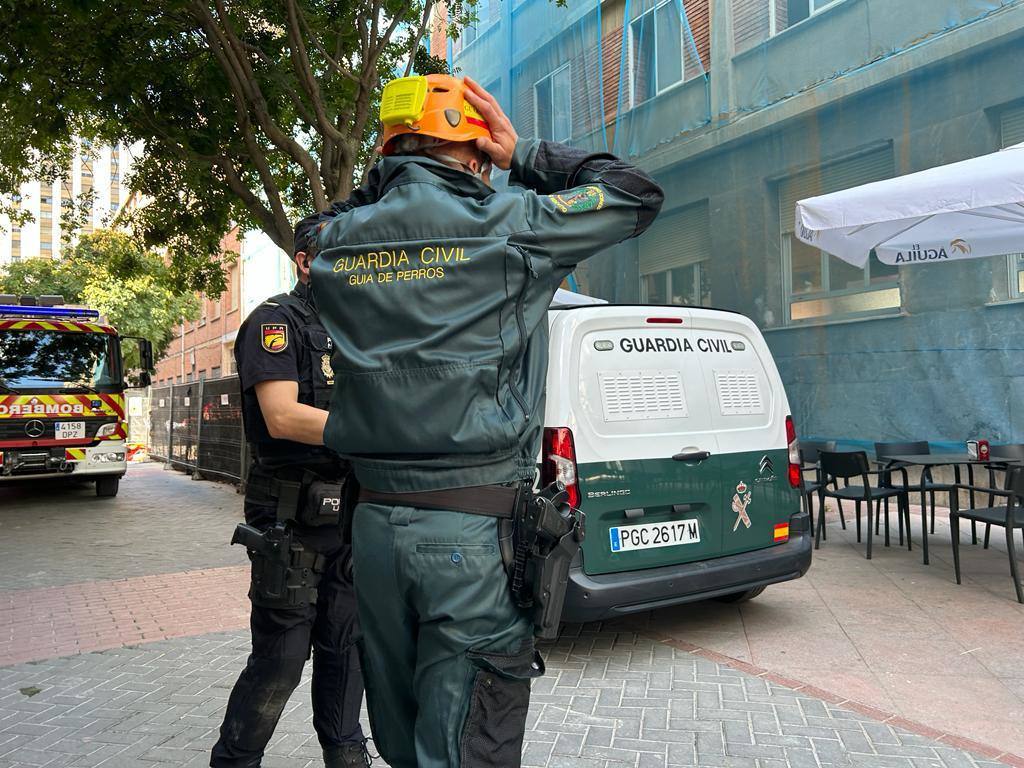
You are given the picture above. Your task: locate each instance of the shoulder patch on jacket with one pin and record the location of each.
(274, 337)
(587, 199)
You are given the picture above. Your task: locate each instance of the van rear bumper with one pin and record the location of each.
(592, 598)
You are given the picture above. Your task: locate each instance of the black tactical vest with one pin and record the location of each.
(316, 381)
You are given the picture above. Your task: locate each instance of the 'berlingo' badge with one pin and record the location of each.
(274, 337)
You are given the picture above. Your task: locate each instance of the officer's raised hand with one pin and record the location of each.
(503, 139)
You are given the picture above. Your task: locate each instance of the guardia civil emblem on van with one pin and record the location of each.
(274, 337)
(740, 502)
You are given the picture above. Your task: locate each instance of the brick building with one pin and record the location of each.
(204, 348)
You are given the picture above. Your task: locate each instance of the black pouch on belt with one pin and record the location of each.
(310, 501)
(324, 503)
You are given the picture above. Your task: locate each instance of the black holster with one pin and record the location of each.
(546, 534)
(284, 573)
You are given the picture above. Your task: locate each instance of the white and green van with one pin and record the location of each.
(671, 427)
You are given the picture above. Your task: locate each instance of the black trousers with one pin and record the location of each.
(282, 641)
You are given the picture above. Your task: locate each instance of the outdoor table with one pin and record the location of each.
(956, 460)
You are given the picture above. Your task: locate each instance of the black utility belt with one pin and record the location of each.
(499, 501)
(309, 500)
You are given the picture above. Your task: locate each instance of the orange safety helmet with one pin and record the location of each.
(429, 105)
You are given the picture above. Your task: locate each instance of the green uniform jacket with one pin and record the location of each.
(435, 290)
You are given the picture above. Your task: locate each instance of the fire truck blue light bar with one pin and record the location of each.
(47, 312)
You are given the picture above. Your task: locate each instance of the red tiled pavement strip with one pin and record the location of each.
(99, 615)
(959, 742)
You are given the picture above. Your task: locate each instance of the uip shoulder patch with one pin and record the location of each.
(587, 199)
(274, 337)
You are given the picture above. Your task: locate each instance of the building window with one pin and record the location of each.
(552, 98)
(796, 11)
(673, 258)
(821, 287)
(45, 245)
(215, 372)
(1011, 133)
(45, 200)
(684, 286)
(655, 51)
(482, 11)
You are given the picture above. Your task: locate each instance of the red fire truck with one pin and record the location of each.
(62, 382)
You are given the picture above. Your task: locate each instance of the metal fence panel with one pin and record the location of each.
(197, 427)
(159, 423)
(184, 424)
(220, 440)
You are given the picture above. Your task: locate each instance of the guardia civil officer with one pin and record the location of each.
(302, 595)
(436, 293)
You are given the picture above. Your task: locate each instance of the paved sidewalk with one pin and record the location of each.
(58, 621)
(890, 632)
(881, 663)
(608, 701)
(160, 522)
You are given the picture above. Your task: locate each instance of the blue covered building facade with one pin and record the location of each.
(742, 107)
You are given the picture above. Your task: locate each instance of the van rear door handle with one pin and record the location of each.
(695, 456)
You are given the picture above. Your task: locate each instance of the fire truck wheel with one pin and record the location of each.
(741, 597)
(107, 486)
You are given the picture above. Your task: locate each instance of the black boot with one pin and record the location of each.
(351, 755)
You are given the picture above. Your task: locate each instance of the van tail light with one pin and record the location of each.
(794, 453)
(559, 462)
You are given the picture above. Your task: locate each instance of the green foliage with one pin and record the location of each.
(132, 287)
(252, 112)
(425, 64)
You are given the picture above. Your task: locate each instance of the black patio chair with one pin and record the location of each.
(809, 450)
(929, 487)
(1009, 517)
(843, 466)
(1015, 453)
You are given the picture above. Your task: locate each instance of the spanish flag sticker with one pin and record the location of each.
(274, 337)
(781, 533)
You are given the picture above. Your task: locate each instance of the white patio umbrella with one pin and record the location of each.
(965, 210)
(564, 298)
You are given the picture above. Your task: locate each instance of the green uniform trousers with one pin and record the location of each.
(447, 656)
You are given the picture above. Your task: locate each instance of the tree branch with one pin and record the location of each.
(427, 6)
(300, 60)
(252, 203)
(236, 64)
(332, 61)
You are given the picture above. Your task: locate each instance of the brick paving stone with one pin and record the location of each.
(40, 623)
(610, 700)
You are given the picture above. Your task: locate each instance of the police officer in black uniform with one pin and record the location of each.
(302, 595)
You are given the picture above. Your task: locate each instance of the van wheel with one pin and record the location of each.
(107, 486)
(742, 597)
